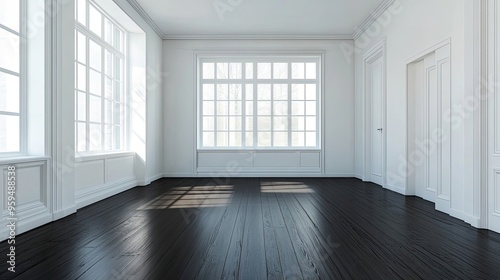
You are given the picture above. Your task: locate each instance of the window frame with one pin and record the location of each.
(259, 57)
(123, 80)
(23, 63)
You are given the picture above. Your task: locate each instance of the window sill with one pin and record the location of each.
(232, 150)
(22, 159)
(102, 155)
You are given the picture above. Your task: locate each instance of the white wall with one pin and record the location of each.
(180, 157)
(410, 28)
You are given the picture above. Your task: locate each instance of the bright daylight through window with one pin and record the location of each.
(264, 102)
(100, 80)
(11, 70)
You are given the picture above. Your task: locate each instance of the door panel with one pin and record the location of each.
(376, 71)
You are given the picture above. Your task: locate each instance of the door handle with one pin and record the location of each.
(380, 129)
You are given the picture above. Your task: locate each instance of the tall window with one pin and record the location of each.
(265, 102)
(100, 80)
(10, 77)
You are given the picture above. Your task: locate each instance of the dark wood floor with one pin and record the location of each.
(257, 229)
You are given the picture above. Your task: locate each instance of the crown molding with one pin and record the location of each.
(372, 18)
(258, 37)
(137, 7)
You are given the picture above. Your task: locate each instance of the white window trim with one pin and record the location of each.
(255, 57)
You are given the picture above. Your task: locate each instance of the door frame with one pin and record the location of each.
(371, 55)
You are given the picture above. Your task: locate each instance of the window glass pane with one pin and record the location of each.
(235, 139)
(9, 133)
(311, 123)
(118, 133)
(234, 70)
(222, 139)
(280, 123)
(310, 139)
(264, 123)
(95, 20)
(311, 92)
(298, 92)
(297, 108)
(249, 108)
(310, 108)
(95, 137)
(118, 114)
(208, 92)
(264, 92)
(9, 14)
(280, 108)
(280, 139)
(81, 137)
(264, 139)
(108, 31)
(297, 70)
(249, 123)
(95, 82)
(82, 48)
(222, 92)
(82, 106)
(249, 70)
(222, 123)
(95, 53)
(9, 51)
(119, 37)
(264, 108)
(280, 71)
(108, 87)
(264, 70)
(310, 70)
(235, 123)
(235, 108)
(280, 92)
(208, 123)
(82, 77)
(222, 70)
(208, 108)
(9, 93)
(222, 108)
(235, 92)
(108, 137)
(298, 139)
(208, 139)
(249, 139)
(298, 123)
(208, 71)
(95, 109)
(108, 111)
(108, 64)
(249, 92)
(81, 7)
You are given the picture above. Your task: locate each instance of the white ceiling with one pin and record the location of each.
(258, 17)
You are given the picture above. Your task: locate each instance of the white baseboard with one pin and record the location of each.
(63, 213)
(265, 175)
(102, 192)
(396, 189)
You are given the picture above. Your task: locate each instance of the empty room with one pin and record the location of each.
(233, 139)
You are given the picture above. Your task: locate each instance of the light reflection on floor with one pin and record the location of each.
(191, 197)
(285, 187)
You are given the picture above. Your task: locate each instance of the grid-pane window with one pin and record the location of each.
(247, 102)
(100, 81)
(10, 77)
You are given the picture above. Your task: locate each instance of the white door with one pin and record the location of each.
(376, 86)
(493, 191)
(425, 154)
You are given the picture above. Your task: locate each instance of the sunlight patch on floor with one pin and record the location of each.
(285, 187)
(191, 197)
